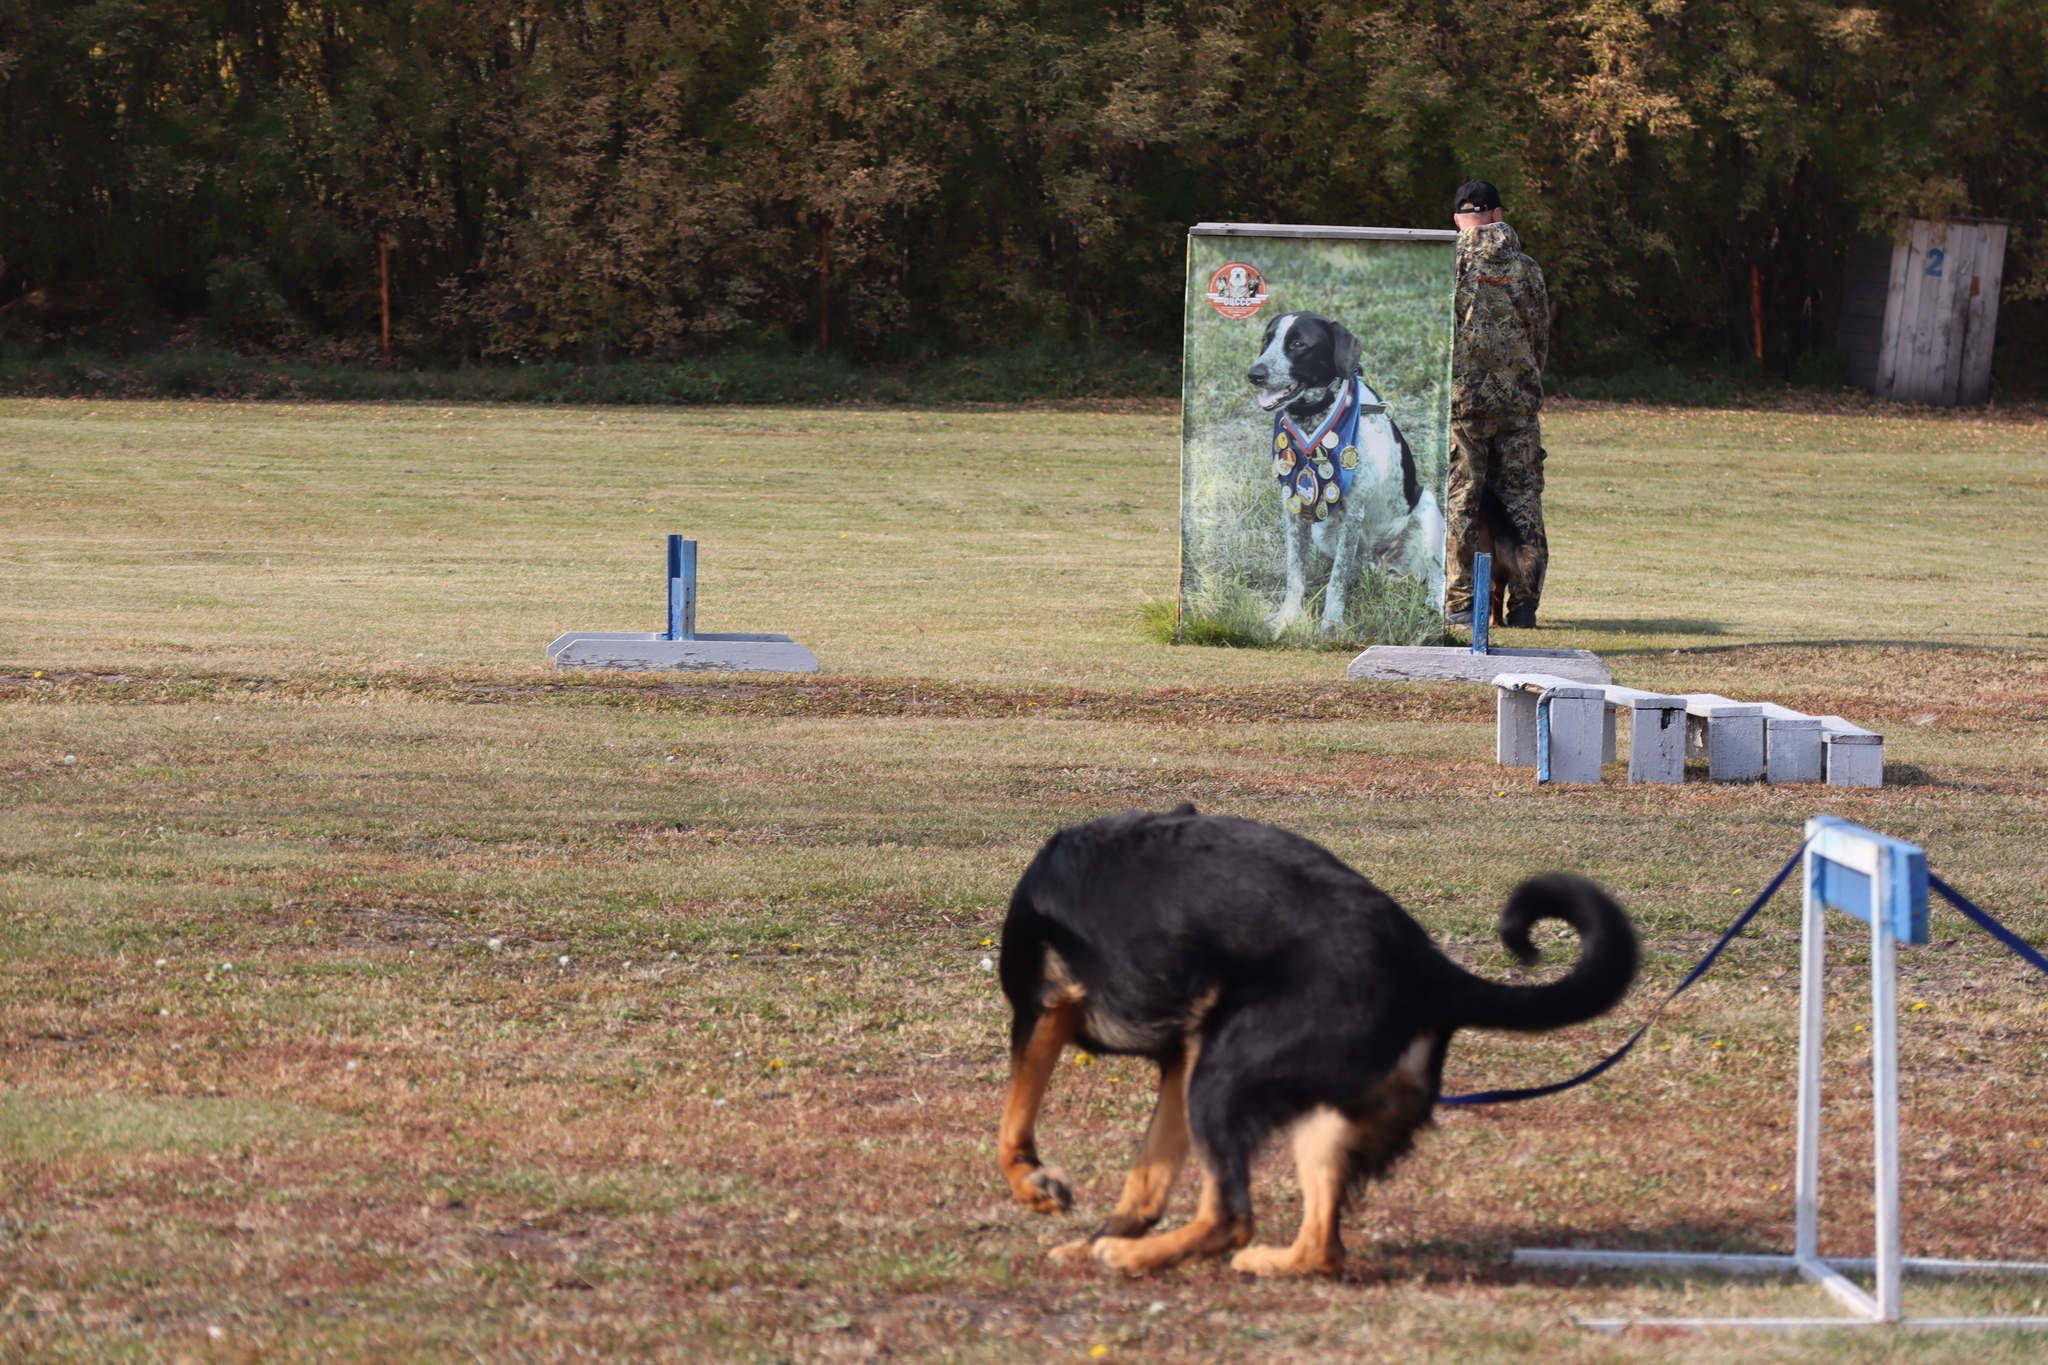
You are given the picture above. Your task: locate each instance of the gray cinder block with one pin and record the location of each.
(1855, 761)
(1855, 756)
(1577, 718)
(1792, 747)
(1656, 739)
(1728, 734)
(1514, 731)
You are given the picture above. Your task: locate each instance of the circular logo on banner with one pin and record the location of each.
(1237, 290)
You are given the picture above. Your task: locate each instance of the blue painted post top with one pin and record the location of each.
(682, 589)
(1843, 861)
(1482, 602)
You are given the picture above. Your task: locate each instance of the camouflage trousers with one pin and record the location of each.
(1496, 506)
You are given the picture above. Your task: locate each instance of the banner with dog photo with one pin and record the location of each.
(1315, 434)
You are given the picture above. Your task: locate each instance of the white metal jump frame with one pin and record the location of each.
(1883, 880)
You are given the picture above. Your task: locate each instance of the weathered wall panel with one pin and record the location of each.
(1940, 311)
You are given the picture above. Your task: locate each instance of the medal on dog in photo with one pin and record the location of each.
(1316, 471)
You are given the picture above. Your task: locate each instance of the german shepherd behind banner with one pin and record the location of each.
(1277, 989)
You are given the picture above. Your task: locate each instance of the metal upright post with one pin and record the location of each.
(1812, 1023)
(1884, 1090)
(682, 589)
(1864, 874)
(1482, 601)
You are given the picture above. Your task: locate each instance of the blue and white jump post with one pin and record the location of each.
(1482, 602)
(682, 589)
(1882, 881)
(681, 646)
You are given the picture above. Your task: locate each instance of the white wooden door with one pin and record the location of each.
(1941, 312)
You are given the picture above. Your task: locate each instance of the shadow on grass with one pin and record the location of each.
(1934, 646)
(1485, 1254)
(1617, 625)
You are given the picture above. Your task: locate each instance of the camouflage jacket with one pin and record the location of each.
(1503, 321)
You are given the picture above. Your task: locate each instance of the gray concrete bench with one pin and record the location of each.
(1582, 729)
(1740, 741)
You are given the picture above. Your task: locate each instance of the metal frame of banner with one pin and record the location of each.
(1882, 881)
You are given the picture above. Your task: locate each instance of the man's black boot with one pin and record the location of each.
(1523, 615)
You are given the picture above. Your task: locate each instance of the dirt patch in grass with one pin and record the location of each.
(822, 698)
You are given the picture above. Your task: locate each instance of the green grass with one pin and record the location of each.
(752, 1116)
(390, 540)
(32, 1127)
(1229, 614)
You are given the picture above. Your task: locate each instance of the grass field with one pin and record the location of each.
(368, 991)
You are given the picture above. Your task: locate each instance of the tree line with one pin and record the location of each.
(606, 179)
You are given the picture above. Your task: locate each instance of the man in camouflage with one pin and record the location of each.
(1496, 475)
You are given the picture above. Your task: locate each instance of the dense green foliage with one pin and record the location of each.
(595, 179)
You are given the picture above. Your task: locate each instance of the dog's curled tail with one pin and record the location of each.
(1596, 982)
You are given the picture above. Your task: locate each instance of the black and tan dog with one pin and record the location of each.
(1277, 989)
(1497, 536)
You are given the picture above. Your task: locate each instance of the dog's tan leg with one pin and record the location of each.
(1211, 1232)
(1046, 1189)
(1328, 1148)
(1323, 1139)
(1159, 1162)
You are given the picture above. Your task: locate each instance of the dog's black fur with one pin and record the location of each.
(1497, 536)
(1293, 983)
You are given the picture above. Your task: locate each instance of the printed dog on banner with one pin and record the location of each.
(1348, 482)
(1315, 434)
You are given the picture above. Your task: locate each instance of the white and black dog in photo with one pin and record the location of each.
(1346, 474)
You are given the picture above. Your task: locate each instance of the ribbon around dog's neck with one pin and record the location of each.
(1315, 472)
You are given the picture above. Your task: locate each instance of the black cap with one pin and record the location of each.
(1476, 196)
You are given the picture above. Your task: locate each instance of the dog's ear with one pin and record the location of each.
(1184, 808)
(1346, 349)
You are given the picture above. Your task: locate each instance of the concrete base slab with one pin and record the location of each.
(1449, 663)
(647, 652)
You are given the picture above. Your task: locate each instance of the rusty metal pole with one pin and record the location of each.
(1756, 309)
(384, 290)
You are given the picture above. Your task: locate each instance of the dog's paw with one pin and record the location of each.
(1128, 1254)
(1276, 1261)
(1073, 1251)
(1047, 1189)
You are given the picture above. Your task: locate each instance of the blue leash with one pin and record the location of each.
(1539, 1091)
(1989, 925)
(1981, 918)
